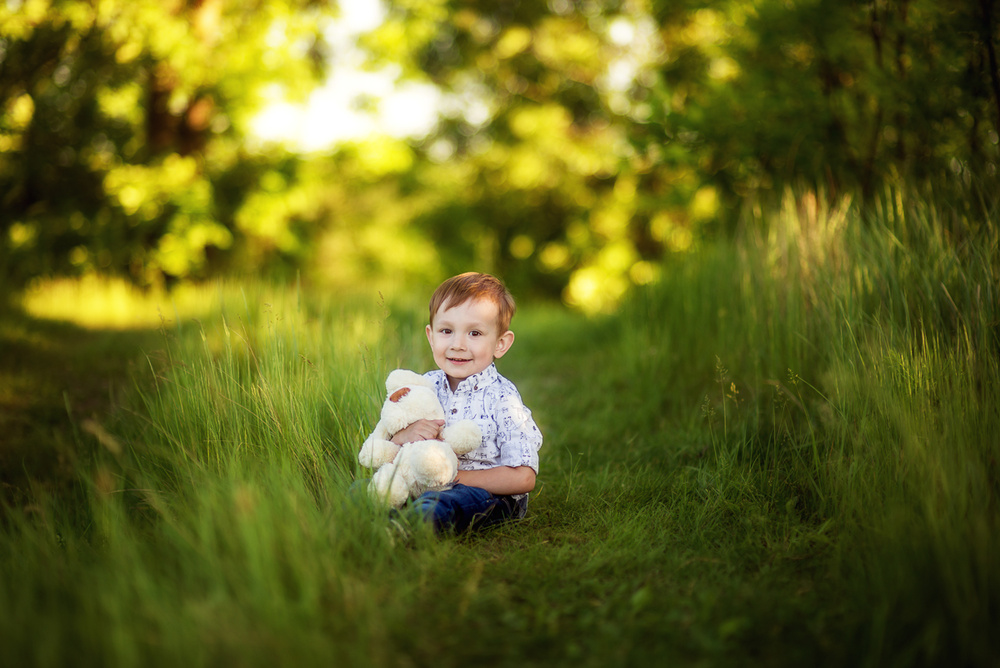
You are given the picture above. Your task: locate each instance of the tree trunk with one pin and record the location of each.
(186, 132)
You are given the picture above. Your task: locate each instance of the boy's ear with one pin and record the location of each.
(504, 343)
(429, 331)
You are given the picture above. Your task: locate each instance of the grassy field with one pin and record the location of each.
(782, 453)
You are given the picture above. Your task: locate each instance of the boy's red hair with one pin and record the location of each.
(472, 285)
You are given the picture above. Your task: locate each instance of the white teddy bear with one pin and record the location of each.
(407, 472)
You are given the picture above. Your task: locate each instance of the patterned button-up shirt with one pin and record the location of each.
(510, 436)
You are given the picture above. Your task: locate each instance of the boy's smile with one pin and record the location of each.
(465, 339)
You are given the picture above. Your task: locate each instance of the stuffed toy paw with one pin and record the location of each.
(406, 472)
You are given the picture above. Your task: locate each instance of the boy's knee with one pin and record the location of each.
(454, 508)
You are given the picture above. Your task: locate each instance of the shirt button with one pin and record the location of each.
(454, 410)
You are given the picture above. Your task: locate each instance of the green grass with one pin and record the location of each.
(783, 453)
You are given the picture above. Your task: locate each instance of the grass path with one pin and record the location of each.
(636, 547)
(664, 554)
(55, 376)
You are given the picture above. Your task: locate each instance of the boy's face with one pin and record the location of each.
(465, 339)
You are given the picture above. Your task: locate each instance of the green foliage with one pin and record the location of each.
(834, 93)
(547, 196)
(119, 121)
(580, 143)
(597, 138)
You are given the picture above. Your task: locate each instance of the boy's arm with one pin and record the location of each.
(500, 480)
(421, 430)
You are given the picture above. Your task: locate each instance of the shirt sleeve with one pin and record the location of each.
(517, 434)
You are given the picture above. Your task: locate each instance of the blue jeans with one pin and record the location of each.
(462, 508)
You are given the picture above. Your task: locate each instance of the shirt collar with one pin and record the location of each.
(481, 379)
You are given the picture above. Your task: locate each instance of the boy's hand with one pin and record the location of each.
(421, 430)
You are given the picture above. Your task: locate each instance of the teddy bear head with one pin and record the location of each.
(410, 397)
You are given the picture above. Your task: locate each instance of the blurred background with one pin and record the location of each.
(570, 146)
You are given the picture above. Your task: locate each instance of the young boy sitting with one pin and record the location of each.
(470, 317)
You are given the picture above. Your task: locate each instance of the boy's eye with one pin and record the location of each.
(475, 333)
(446, 331)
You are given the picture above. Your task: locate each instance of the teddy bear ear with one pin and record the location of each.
(393, 381)
(403, 378)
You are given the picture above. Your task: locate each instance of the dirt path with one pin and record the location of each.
(54, 376)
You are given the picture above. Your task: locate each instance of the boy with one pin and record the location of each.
(470, 317)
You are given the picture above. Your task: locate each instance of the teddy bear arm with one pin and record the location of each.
(377, 448)
(463, 436)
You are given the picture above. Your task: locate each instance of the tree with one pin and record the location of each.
(839, 95)
(119, 119)
(542, 188)
(618, 132)
(581, 143)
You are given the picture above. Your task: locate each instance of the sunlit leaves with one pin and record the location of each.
(411, 27)
(181, 251)
(579, 143)
(570, 48)
(513, 41)
(121, 103)
(118, 118)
